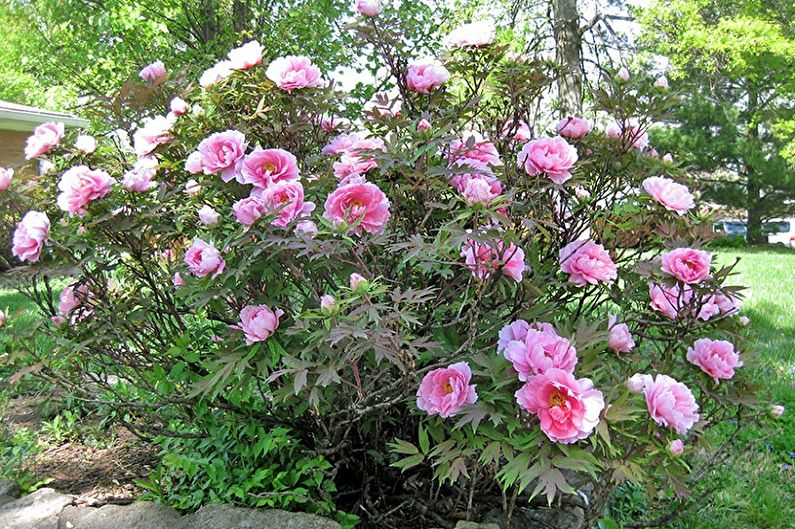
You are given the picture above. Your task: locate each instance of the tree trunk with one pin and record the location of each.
(568, 46)
(753, 191)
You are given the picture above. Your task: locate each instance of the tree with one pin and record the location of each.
(733, 60)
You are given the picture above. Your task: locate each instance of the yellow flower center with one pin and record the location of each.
(557, 399)
(448, 388)
(268, 167)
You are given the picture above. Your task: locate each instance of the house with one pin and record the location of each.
(16, 124)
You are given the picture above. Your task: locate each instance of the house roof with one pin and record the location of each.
(22, 117)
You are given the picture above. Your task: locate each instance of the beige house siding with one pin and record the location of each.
(12, 148)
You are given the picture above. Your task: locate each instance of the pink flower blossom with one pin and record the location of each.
(207, 215)
(623, 74)
(332, 123)
(139, 178)
(687, 264)
(222, 152)
(177, 280)
(479, 189)
(86, 144)
(154, 131)
(264, 167)
(80, 186)
(286, 198)
(248, 210)
(744, 321)
(193, 163)
(215, 74)
(152, 72)
(352, 166)
(30, 235)
(246, 56)
(473, 150)
(259, 322)
(671, 404)
(474, 34)
(359, 203)
(567, 408)
(637, 382)
(341, 144)
(517, 331)
(661, 82)
(483, 259)
(45, 138)
(668, 158)
(369, 8)
(6, 175)
(630, 132)
(777, 410)
(426, 75)
(71, 298)
(178, 106)
(539, 351)
(306, 228)
(670, 300)
(294, 72)
(203, 259)
(2, 318)
(517, 130)
(357, 280)
(676, 447)
(717, 358)
(573, 128)
(619, 338)
(424, 125)
(327, 303)
(192, 187)
(553, 157)
(718, 303)
(673, 196)
(587, 262)
(446, 391)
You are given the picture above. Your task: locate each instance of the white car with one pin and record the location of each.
(780, 231)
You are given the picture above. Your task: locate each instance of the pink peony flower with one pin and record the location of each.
(71, 298)
(567, 408)
(619, 338)
(573, 128)
(178, 106)
(45, 138)
(553, 157)
(676, 447)
(352, 166)
(668, 158)
(673, 196)
(2, 318)
(154, 131)
(332, 123)
(623, 74)
(479, 189)
(177, 280)
(207, 215)
(426, 75)
(777, 410)
(718, 303)
(248, 210)
(192, 187)
(446, 391)
(539, 351)
(716, 358)
(630, 132)
(215, 74)
(369, 8)
(637, 383)
(80, 186)
(661, 82)
(587, 262)
(264, 167)
(152, 72)
(327, 303)
(687, 264)
(222, 152)
(671, 403)
(744, 321)
(359, 203)
(341, 144)
(86, 144)
(286, 198)
(30, 235)
(473, 150)
(517, 130)
(6, 175)
(483, 259)
(306, 228)
(424, 125)
(474, 34)
(356, 281)
(258, 322)
(670, 300)
(203, 259)
(246, 56)
(294, 72)
(139, 178)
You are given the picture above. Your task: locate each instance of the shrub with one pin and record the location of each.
(454, 291)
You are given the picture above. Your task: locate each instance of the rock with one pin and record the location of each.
(6, 499)
(143, 515)
(9, 488)
(229, 517)
(39, 510)
(473, 525)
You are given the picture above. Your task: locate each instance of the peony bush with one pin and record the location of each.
(452, 303)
